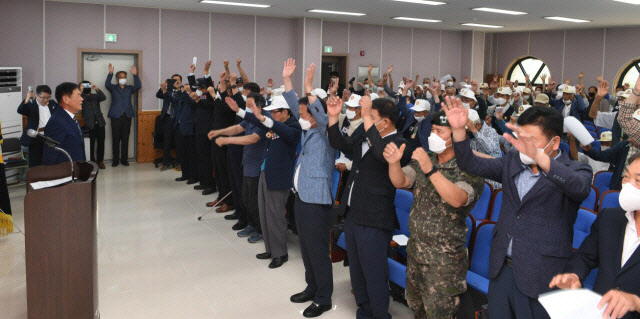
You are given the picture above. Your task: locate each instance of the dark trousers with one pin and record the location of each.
(120, 129)
(96, 135)
(250, 201)
(234, 163)
(506, 301)
(35, 152)
(313, 222)
(369, 269)
(168, 136)
(5, 203)
(186, 148)
(273, 219)
(219, 158)
(205, 166)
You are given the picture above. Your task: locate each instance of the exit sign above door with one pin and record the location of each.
(328, 49)
(110, 37)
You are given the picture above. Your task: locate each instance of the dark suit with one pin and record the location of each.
(33, 119)
(64, 129)
(370, 217)
(170, 102)
(222, 117)
(540, 226)
(602, 249)
(203, 119)
(120, 112)
(186, 146)
(94, 121)
(234, 164)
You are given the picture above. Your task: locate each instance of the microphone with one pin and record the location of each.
(45, 139)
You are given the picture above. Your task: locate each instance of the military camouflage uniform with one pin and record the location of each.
(437, 257)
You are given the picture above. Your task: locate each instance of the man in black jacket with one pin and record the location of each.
(168, 93)
(37, 108)
(94, 120)
(612, 247)
(368, 202)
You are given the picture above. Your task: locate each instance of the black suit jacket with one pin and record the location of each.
(602, 249)
(62, 128)
(372, 199)
(91, 112)
(30, 110)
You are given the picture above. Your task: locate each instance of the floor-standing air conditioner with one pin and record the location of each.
(10, 97)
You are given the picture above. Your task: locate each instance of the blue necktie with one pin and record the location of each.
(77, 124)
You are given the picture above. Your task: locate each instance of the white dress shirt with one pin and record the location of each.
(631, 239)
(44, 115)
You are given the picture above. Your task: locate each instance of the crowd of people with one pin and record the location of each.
(258, 148)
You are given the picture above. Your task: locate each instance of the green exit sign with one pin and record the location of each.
(328, 49)
(110, 37)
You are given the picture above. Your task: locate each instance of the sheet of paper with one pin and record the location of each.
(572, 303)
(195, 60)
(51, 183)
(401, 239)
(502, 109)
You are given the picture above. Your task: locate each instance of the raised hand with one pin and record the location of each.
(134, 70)
(192, 68)
(370, 68)
(308, 78)
(194, 97)
(565, 281)
(233, 78)
(457, 115)
(288, 69)
(238, 61)
(223, 76)
(390, 69)
(262, 91)
(270, 83)
(599, 78)
(163, 86)
(232, 104)
(211, 90)
(111, 68)
(256, 111)
(226, 64)
(495, 78)
(474, 86)
(385, 76)
(567, 81)
(365, 104)
(392, 153)
(524, 143)
(93, 86)
(334, 106)
(346, 94)
(526, 77)
(333, 87)
(423, 159)
(581, 75)
(543, 77)
(207, 66)
(637, 86)
(187, 88)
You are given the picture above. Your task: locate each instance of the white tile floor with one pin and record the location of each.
(157, 261)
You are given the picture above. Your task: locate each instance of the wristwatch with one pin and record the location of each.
(433, 171)
(234, 86)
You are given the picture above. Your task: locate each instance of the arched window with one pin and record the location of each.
(527, 65)
(629, 74)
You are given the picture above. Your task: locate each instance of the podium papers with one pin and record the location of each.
(51, 183)
(572, 303)
(401, 240)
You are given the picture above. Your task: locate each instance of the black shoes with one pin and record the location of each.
(191, 181)
(263, 256)
(279, 261)
(301, 297)
(181, 179)
(125, 163)
(114, 164)
(208, 191)
(199, 187)
(315, 310)
(238, 226)
(233, 216)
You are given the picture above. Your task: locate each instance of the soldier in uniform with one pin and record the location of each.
(437, 259)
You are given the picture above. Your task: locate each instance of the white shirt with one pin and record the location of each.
(631, 239)
(44, 115)
(365, 148)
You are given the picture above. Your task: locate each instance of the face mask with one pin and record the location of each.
(244, 98)
(351, 114)
(376, 125)
(566, 102)
(592, 95)
(450, 83)
(419, 118)
(629, 198)
(304, 124)
(248, 110)
(122, 81)
(526, 160)
(334, 80)
(198, 93)
(366, 86)
(500, 101)
(526, 97)
(240, 89)
(437, 144)
(466, 105)
(538, 92)
(428, 95)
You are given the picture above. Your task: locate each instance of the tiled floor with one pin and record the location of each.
(157, 261)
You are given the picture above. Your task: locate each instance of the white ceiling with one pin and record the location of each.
(602, 13)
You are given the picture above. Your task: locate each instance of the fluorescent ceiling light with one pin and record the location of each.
(431, 3)
(483, 25)
(240, 4)
(515, 13)
(416, 19)
(337, 12)
(629, 1)
(567, 19)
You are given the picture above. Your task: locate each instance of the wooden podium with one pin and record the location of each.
(60, 244)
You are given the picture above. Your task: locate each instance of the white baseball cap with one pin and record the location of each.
(354, 100)
(319, 93)
(569, 89)
(484, 86)
(606, 136)
(468, 94)
(421, 105)
(278, 103)
(504, 90)
(521, 110)
(401, 85)
(374, 96)
(473, 116)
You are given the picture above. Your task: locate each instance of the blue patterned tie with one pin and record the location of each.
(172, 109)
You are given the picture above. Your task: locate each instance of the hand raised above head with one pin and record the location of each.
(232, 104)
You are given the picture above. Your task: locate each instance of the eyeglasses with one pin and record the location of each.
(46, 98)
(276, 111)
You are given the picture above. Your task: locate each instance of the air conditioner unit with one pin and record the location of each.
(10, 98)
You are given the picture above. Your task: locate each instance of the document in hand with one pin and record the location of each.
(572, 303)
(401, 240)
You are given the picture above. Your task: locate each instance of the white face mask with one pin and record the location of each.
(500, 101)
(122, 81)
(566, 102)
(466, 105)
(537, 92)
(437, 144)
(240, 89)
(305, 124)
(366, 86)
(351, 114)
(629, 198)
(450, 83)
(244, 97)
(558, 95)
(198, 93)
(428, 95)
(376, 125)
(526, 97)
(526, 160)
(419, 118)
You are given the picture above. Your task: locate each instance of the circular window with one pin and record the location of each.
(532, 66)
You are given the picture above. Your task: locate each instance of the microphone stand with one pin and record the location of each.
(68, 156)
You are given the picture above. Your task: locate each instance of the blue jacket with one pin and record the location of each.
(30, 110)
(602, 249)
(577, 106)
(186, 114)
(541, 224)
(62, 128)
(317, 158)
(421, 139)
(280, 151)
(121, 97)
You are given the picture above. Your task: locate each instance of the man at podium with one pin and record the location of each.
(63, 126)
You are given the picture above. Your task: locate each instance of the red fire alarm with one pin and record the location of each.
(361, 53)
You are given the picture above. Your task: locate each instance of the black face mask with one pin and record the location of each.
(592, 94)
(86, 91)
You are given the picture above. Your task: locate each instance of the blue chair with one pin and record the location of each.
(595, 145)
(478, 273)
(335, 183)
(590, 127)
(609, 199)
(497, 205)
(471, 228)
(582, 227)
(588, 123)
(564, 146)
(590, 281)
(397, 273)
(403, 202)
(593, 133)
(481, 209)
(342, 243)
(601, 181)
(591, 201)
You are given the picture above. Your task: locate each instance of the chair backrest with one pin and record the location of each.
(403, 202)
(590, 128)
(593, 133)
(481, 209)
(588, 123)
(335, 183)
(497, 205)
(591, 201)
(564, 146)
(595, 145)
(609, 199)
(481, 248)
(11, 144)
(601, 180)
(582, 227)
